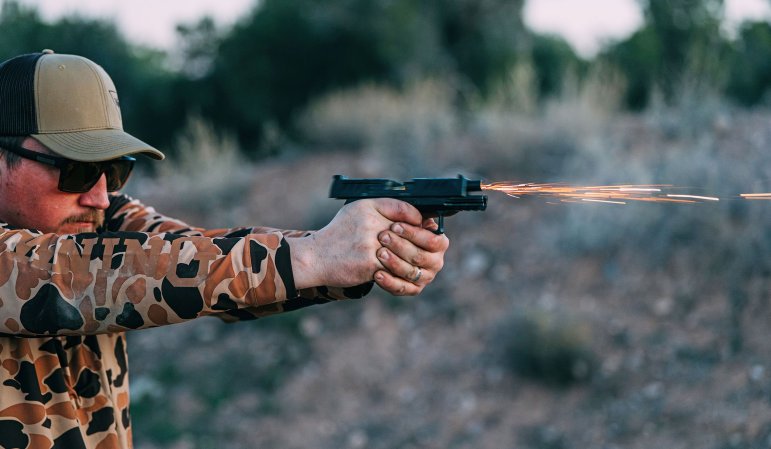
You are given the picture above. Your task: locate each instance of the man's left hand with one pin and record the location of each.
(412, 256)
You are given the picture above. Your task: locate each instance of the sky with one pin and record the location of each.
(586, 24)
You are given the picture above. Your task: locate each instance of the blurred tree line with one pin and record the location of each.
(253, 79)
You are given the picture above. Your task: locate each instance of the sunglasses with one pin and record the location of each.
(80, 177)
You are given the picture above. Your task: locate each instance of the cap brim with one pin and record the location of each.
(96, 145)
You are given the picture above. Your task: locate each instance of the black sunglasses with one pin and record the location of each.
(80, 177)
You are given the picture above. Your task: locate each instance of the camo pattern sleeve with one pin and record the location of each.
(114, 281)
(130, 215)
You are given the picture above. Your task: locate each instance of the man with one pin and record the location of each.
(80, 265)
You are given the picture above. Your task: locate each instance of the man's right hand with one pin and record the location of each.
(349, 250)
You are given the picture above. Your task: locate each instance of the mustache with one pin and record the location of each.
(95, 216)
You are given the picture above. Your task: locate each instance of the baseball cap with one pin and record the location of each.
(69, 104)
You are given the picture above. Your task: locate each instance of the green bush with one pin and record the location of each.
(546, 347)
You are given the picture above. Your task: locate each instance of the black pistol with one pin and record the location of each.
(433, 197)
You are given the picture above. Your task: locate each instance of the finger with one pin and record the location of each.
(421, 237)
(400, 268)
(396, 286)
(430, 224)
(396, 210)
(407, 251)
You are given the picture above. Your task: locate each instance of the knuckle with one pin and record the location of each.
(419, 259)
(429, 279)
(435, 243)
(404, 207)
(439, 243)
(399, 291)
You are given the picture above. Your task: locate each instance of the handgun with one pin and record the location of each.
(433, 197)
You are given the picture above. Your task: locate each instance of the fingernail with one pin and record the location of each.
(385, 239)
(383, 254)
(397, 228)
(379, 276)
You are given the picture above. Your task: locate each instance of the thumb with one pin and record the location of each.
(396, 210)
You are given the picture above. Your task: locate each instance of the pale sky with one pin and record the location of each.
(584, 23)
(588, 23)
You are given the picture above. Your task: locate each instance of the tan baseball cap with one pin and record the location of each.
(69, 104)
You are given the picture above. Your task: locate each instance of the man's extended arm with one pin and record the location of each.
(318, 255)
(113, 281)
(128, 214)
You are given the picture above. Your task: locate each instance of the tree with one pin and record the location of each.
(750, 64)
(286, 52)
(146, 88)
(680, 42)
(552, 59)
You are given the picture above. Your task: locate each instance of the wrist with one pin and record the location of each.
(305, 263)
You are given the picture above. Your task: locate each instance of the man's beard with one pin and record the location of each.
(95, 216)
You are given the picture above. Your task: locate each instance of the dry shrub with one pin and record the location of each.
(402, 130)
(515, 137)
(203, 178)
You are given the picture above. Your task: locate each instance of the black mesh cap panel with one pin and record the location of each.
(17, 95)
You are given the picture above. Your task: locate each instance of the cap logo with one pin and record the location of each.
(115, 97)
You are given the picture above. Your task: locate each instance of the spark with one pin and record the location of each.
(695, 197)
(637, 189)
(610, 194)
(602, 201)
(756, 196)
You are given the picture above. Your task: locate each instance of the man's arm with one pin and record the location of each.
(109, 282)
(129, 214)
(113, 281)
(406, 246)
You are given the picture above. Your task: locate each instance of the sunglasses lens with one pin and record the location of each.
(80, 177)
(117, 173)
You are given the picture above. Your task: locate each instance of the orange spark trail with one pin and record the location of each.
(612, 194)
(756, 196)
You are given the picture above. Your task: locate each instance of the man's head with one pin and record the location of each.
(62, 138)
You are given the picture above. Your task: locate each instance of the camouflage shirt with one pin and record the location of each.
(66, 301)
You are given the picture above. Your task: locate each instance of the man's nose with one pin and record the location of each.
(97, 196)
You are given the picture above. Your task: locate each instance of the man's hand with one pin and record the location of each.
(381, 239)
(411, 255)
